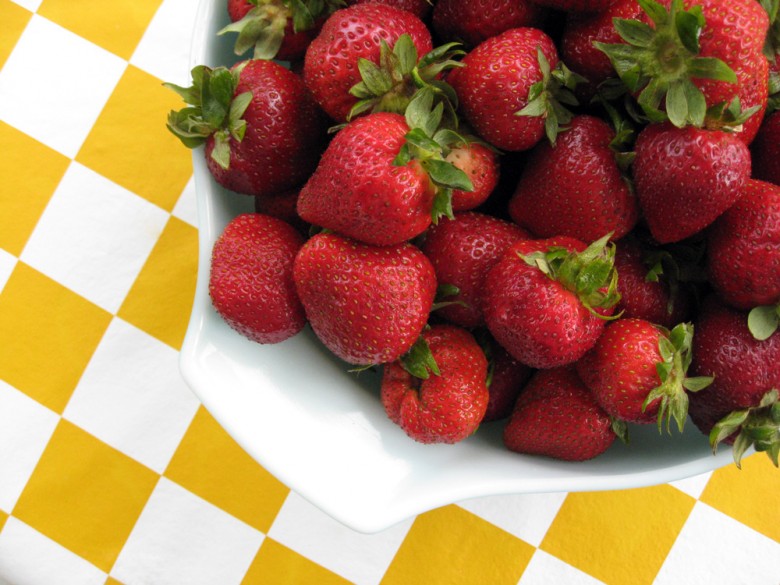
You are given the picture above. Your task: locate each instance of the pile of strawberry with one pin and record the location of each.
(562, 213)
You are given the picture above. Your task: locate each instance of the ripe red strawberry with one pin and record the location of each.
(369, 187)
(637, 372)
(582, 29)
(686, 177)
(506, 379)
(650, 290)
(448, 405)
(462, 251)
(283, 206)
(251, 280)
(544, 301)
(481, 166)
(575, 187)
(766, 149)
(420, 8)
(740, 407)
(577, 5)
(275, 29)
(263, 132)
(366, 304)
(743, 248)
(474, 22)
(681, 62)
(557, 416)
(521, 59)
(331, 64)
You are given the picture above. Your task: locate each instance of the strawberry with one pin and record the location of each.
(638, 372)
(743, 248)
(575, 187)
(580, 32)
(474, 22)
(649, 285)
(251, 280)
(263, 132)
(330, 67)
(447, 405)
(680, 62)
(740, 407)
(766, 150)
(556, 416)
(383, 179)
(284, 206)
(276, 29)
(462, 252)
(545, 300)
(577, 5)
(525, 60)
(686, 177)
(506, 378)
(420, 8)
(481, 166)
(366, 304)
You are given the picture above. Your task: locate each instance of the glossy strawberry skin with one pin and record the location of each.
(556, 416)
(285, 133)
(471, 22)
(766, 150)
(481, 165)
(577, 5)
(357, 191)
(744, 368)
(644, 299)
(420, 8)
(445, 408)
(506, 61)
(686, 177)
(367, 304)
(575, 188)
(743, 248)
(620, 369)
(538, 321)
(330, 66)
(251, 279)
(462, 252)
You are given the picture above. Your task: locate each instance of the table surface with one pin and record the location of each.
(112, 472)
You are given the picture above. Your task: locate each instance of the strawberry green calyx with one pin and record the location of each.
(620, 428)
(763, 321)
(728, 117)
(428, 143)
(772, 43)
(589, 274)
(549, 97)
(391, 85)
(262, 28)
(660, 62)
(675, 348)
(757, 427)
(213, 111)
(419, 360)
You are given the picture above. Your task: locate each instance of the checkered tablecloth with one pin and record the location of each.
(111, 471)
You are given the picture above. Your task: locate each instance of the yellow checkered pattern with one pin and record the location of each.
(111, 472)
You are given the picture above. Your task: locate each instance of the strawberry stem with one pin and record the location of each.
(757, 427)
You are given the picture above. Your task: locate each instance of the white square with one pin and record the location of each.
(7, 265)
(693, 486)
(180, 538)
(27, 557)
(99, 251)
(544, 569)
(186, 208)
(25, 429)
(31, 5)
(132, 396)
(164, 50)
(361, 558)
(44, 94)
(714, 549)
(526, 516)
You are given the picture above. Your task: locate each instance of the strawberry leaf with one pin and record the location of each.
(419, 360)
(763, 321)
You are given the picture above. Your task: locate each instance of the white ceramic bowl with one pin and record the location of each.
(322, 431)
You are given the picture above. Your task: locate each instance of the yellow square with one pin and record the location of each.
(3, 518)
(117, 28)
(29, 174)
(620, 537)
(14, 19)
(212, 465)
(277, 564)
(112, 581)
(160, 300)
(453, 546)
(85, 495)
(749, 495)
(50, 334)
(130, 144)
